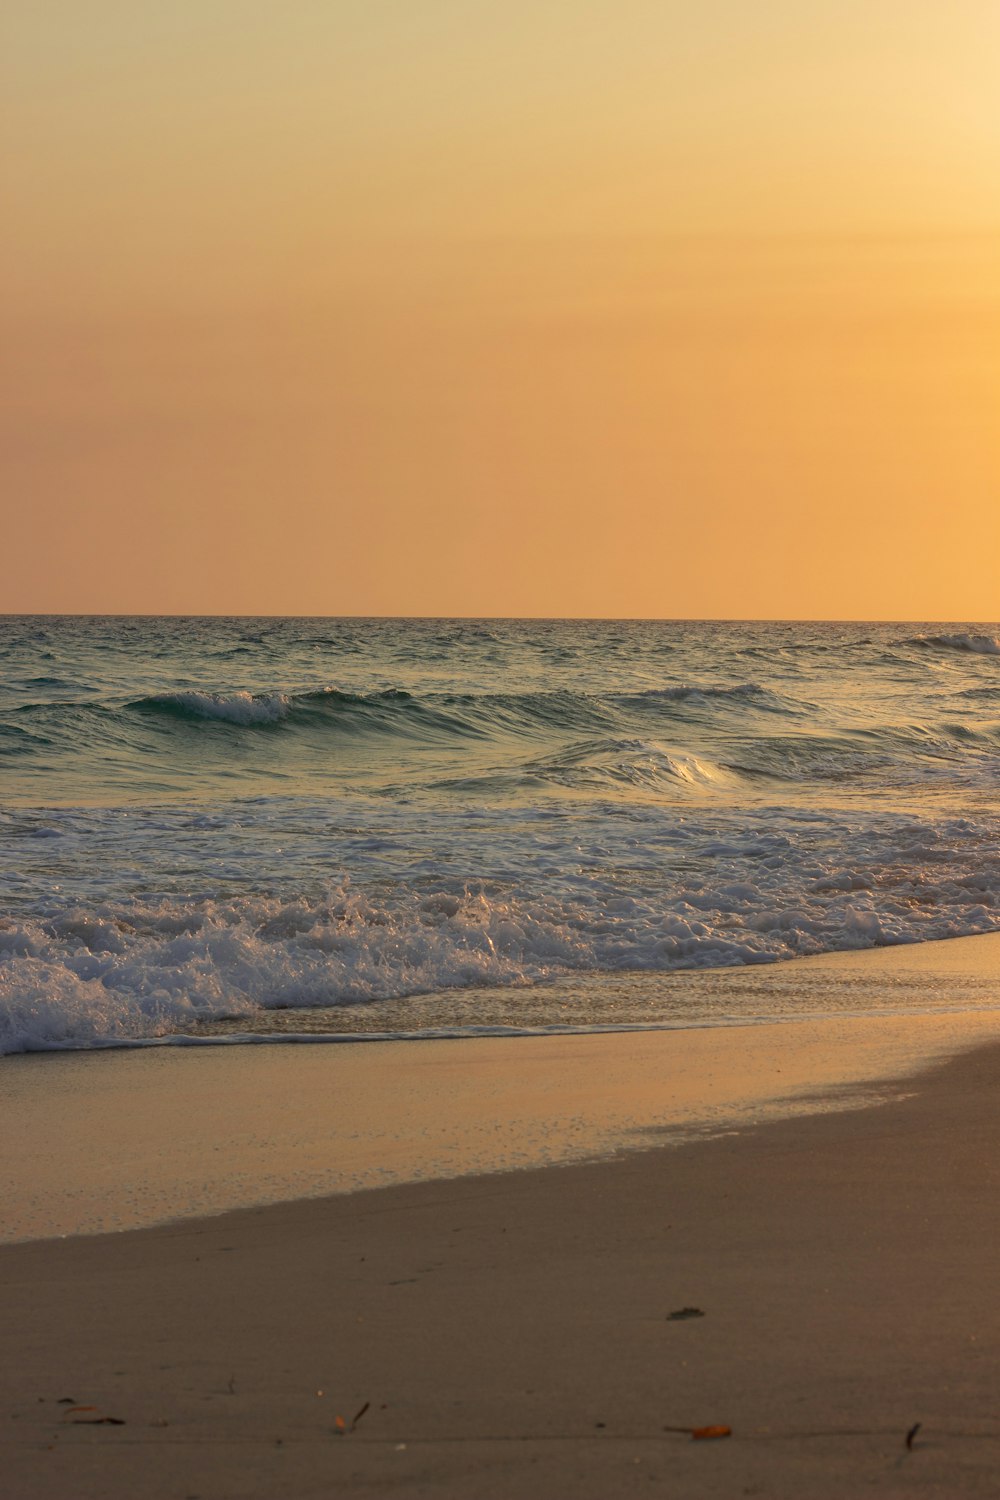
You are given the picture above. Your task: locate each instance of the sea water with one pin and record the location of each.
(208, 822)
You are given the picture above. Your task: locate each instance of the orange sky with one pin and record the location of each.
(550, 307)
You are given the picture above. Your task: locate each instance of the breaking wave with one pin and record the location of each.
(651, 897)
(212, 818)
(237, 708)
(462, 712)
(979, 645)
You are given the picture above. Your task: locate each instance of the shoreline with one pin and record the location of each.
(936, 976)
(123, 1140)
(116, 1139)
(900, 978)
(511, 1333)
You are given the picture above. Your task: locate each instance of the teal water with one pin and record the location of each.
(213, 817)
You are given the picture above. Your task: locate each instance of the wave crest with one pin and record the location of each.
(394, 709)
(979, 645)
(234, 708)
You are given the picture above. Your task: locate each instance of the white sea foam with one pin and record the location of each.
(119, 970)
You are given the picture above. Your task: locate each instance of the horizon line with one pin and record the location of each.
(554, 619)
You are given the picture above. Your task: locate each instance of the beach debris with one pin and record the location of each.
(341, 1427)
(682, 1313)
(701, 1434)
(66, 1401)
(911, 1435)
(79, 1421)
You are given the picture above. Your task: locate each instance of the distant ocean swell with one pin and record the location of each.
(397, 709)
(639, 739)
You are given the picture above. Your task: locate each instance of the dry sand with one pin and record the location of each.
(509, 1334)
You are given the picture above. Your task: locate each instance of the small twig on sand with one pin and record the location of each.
(717, 1431)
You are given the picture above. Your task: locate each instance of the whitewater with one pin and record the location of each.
(208, 822)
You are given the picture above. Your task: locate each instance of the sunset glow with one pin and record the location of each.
(552, 308)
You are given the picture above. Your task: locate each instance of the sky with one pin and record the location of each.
(548, 307)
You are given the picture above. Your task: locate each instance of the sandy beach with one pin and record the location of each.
(500, 751)
(509, 1333)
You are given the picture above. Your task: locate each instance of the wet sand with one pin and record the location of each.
(125, 1139)
(510, 1334)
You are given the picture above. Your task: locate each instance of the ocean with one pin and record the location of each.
(227, 828)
